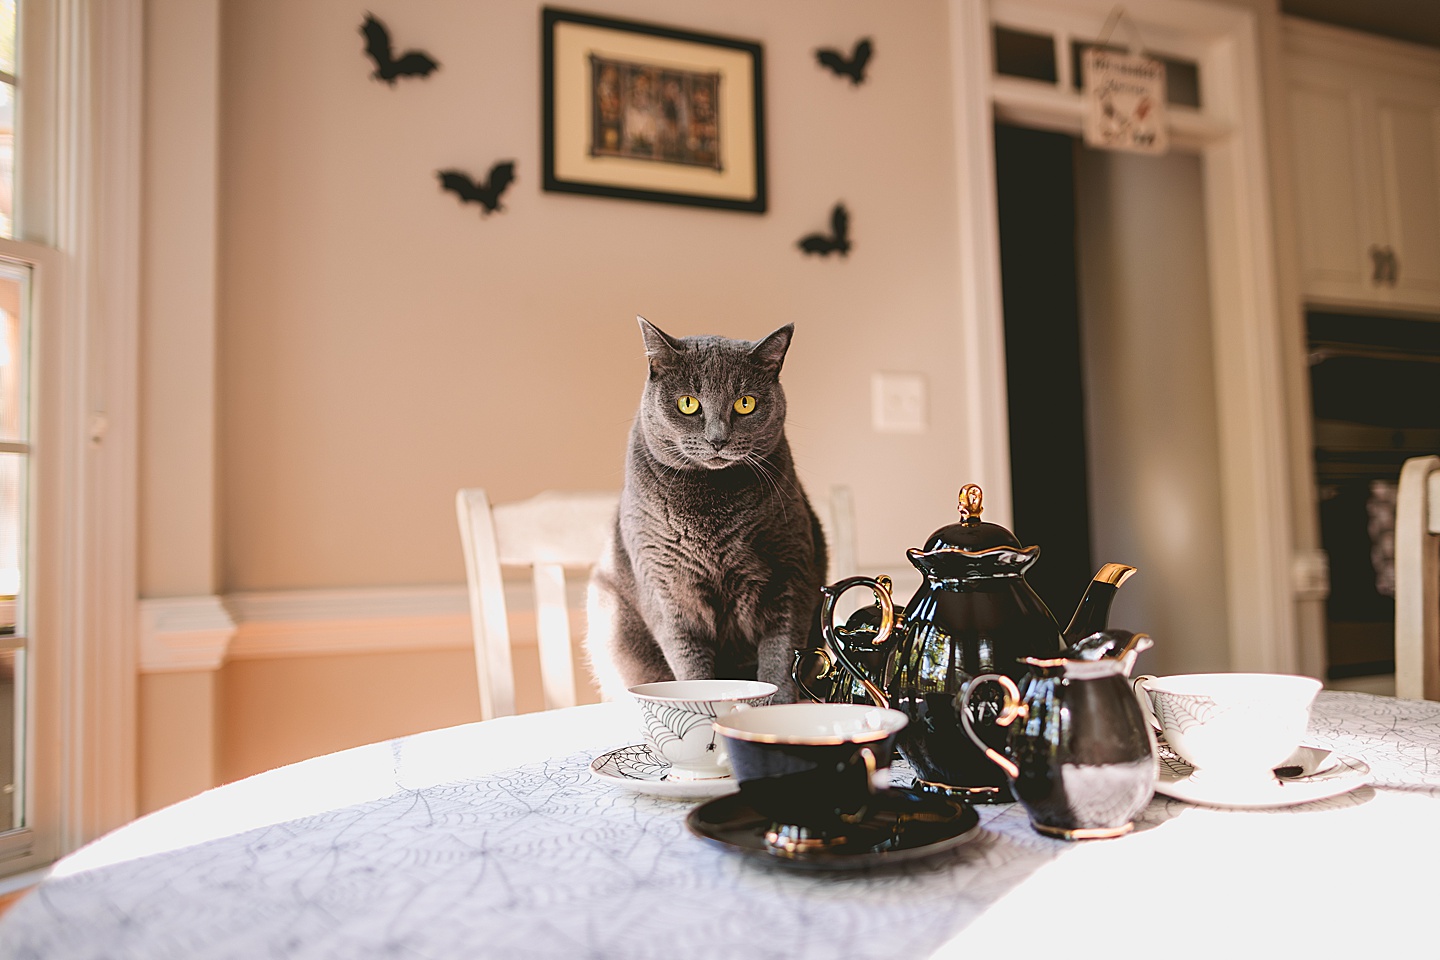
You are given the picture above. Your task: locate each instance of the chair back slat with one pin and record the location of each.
(1417, 580)
(553, 527)
(546, 533)
(490, 627)
(552, 629)
(1432, 500)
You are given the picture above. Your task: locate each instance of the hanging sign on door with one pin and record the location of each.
(1124, 102)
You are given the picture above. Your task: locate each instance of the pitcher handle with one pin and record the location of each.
(1147, 706)
(1013, 708)
(830, 596)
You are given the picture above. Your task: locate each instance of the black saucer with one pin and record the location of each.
(901, 825)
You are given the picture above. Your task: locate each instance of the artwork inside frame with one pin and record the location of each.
(647, 112)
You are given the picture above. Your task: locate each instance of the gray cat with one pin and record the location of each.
(716, 559)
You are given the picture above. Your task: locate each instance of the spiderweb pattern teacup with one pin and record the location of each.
(679, 718)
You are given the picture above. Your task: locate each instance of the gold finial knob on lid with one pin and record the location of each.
(971, 502)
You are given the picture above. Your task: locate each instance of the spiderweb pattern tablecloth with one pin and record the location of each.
(546, 861)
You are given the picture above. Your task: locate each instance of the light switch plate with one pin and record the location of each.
(898, 402)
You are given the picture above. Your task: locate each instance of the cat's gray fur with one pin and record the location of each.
(716, 559)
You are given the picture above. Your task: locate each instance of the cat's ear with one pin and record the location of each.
(770, 352)
(660, 347)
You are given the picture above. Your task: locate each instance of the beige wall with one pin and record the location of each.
(178, 738)
(177, 543)
(375, 345)
(382, 345)
(283, 710)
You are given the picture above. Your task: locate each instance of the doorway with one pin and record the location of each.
(1225, 139)
(1114, 432)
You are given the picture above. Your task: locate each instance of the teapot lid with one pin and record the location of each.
(971, 533)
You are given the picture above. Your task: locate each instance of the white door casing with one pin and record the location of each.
(1229, 135)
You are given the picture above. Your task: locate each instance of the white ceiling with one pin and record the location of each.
(1415, 20)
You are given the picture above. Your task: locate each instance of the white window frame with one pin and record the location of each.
(78, 214)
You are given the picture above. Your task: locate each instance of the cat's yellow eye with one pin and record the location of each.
(745, 405)
(688, 405)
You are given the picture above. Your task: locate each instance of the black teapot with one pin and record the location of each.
(974, 614)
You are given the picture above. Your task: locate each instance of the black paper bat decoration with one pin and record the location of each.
(486, 194)
(854, 67)
(838, 240)
(413, 63)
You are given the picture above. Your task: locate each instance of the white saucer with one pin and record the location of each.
(637, 768)
(1322, 774)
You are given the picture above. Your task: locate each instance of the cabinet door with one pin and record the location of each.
(1408, 131)
(1334, 212)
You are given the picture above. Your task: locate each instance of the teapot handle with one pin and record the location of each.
(801, 668)
(830, 596)
(1013, 708)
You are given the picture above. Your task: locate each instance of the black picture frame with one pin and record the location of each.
(640, 111)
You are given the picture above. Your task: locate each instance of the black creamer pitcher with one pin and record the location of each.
(1079, 755)
(973, 614)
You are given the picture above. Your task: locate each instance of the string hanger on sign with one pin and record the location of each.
(1123, 92)
(1116, 17)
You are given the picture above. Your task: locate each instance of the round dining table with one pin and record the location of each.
(496, 839)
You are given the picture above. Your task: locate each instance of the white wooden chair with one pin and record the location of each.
(547, 533)
(1417, 580)
(837, 519)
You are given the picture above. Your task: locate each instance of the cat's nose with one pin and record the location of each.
(719, 443)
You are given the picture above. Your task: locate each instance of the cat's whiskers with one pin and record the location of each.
(792, 482)
(768, 473)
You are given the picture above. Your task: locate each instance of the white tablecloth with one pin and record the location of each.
(494, 840)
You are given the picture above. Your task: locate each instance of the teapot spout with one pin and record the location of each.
(1093, 612)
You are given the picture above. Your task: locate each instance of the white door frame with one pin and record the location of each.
(1230, 136)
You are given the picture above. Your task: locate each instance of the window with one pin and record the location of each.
(1032, 56)
(69, 271)
(8, 84)
(14, 472)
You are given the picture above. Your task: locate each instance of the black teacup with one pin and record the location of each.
(813, 769)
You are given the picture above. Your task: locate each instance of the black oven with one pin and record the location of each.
(1375, 395)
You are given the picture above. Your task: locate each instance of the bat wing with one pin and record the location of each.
(863, 49)
(501, 175)
(459, 184)
(832, 59)
(377, 43)
(414, 64)
(840, 222)
(815, 243)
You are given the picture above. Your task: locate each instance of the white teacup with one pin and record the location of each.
(1232, 726)
(680, 720)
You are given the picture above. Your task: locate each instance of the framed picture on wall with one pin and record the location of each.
(646, 112)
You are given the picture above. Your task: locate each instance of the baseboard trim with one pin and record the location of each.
(309, 623)
(202, 633)
(180, 634)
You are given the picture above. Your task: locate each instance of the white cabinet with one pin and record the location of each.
(1365, 151)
